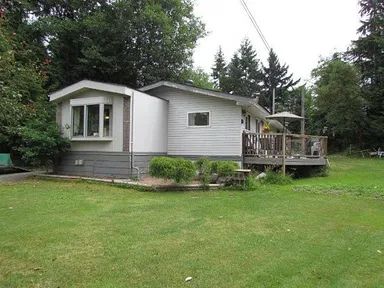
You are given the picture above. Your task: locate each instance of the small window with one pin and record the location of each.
(107, 121)
(257, 126)
(93, 114)
(78, 121)
(198, 119)
(248, 122)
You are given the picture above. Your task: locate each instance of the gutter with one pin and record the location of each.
(131, 137)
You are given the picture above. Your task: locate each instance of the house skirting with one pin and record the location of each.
(116, 164)
(103, 164)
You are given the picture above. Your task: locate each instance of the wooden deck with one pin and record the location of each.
(301, 150)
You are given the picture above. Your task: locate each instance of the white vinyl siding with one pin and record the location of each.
(149, 124)
(223, 135)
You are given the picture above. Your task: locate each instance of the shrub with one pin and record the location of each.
(184, 171)
(225, 168)
(322, 171)
(204, 168)
(41, 143)
(251, 183)
(214, 165)
(273, 177)
(162, 167)
(178, 169)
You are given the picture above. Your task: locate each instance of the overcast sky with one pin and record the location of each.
(300, 31)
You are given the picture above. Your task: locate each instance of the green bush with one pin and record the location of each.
(225, 168)
(177, 169)
(162, 167)
(203, 166)
(214, 165)
(184, 171)
(251, 183)
(273, 177)
(41, 143)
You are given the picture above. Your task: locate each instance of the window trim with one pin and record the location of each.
(72, 122)
(85, 136)
(199, 126)
(246, 118)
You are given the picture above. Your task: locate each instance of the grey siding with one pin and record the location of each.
(115, 164)
(103, 164)
(222, 137)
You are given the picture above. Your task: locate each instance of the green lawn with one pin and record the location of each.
(318, 232)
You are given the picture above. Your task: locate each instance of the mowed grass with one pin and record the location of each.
(318, 232)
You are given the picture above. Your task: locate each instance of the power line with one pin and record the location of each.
(254, 23)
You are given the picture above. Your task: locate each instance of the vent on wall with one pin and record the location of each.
(79, 162)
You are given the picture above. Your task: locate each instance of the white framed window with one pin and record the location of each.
(91, 120)
(78, 121)
(107, 132)
(248, 122)
(257, 123)
(199, 119)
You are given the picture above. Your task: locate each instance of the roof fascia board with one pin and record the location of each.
(89, 85)
(241, 101)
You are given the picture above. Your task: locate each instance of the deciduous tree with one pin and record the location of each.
(338, 101)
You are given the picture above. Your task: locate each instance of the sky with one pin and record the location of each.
(300, 31)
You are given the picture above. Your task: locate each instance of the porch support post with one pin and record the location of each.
(284, 153)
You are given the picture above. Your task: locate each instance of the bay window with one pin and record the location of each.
(92, 121)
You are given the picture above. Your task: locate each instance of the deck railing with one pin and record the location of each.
(271, 145)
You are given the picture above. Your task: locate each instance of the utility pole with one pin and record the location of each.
(303, 121)
(302, 111)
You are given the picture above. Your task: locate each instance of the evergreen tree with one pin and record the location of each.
(244, 75)
(368, 55)
(199, 78)
(219, 70)
(275, 76)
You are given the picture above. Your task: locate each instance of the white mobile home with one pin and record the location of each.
(115, 130)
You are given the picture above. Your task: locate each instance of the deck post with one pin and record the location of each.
(284, 153)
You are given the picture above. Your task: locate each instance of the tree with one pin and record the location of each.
(339, 105)
(20, 87)
(198, 77)
(219, 70)
(128, 42)
(27, 128)
(275, 76)
(244, 75)
(367, 54)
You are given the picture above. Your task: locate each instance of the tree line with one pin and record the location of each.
(46, 45)
(345, 98)
(348, 89)
(245, 75)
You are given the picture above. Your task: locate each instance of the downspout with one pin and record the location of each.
(131, 137)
